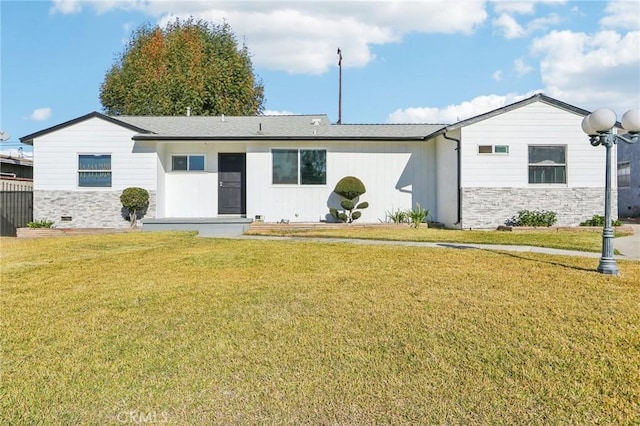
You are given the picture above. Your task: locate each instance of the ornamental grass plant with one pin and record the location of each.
(168, 327)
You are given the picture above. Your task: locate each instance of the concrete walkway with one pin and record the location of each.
(629, 247)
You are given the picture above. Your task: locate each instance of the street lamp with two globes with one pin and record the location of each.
(599, 126)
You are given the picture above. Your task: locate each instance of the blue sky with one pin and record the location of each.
(403, 61)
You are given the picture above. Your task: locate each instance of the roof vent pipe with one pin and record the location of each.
(188, 111)
(221, 117)
(259, 127)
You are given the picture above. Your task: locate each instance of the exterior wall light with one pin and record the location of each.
(599, 126)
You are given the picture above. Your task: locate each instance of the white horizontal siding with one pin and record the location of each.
(396, 175)
(56, 157)
(534, 124)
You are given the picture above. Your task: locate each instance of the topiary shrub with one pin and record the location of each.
(134, 200)
(350, 188)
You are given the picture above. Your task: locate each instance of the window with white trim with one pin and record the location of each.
(189, 163)
(493, 149)
(94, 170)
(547, 164)
(624, 174)
(299, 166)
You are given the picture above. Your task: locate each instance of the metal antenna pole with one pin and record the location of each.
(339, 86)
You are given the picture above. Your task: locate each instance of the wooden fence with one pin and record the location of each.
(16, 206)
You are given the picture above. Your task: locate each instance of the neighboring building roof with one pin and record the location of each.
(19, 161)
(538, 97)
(17, 168)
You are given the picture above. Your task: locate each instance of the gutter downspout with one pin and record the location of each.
(457, 141)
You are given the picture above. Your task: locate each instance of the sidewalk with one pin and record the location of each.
(629, 247)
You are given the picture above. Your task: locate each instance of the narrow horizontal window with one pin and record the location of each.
(493, 149)
(187, 162)
(94, 170)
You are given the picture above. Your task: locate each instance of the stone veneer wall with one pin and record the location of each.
(88, 209)
(484, 208)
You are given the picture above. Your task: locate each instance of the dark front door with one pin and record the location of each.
(231, 184)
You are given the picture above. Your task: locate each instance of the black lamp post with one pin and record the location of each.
(599, 126)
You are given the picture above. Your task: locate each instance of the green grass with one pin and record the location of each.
(559, 238)
(169, 327)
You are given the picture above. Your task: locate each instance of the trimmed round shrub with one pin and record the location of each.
(347, 204)
(134, 200)
(350, 187)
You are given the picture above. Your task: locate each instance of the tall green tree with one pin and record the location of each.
(187, 64)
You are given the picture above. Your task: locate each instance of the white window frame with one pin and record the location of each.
(189, 170)
(299, 165)
(95, 154)
(563, 165)
(493, 149)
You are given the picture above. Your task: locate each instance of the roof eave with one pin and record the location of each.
(164, 138)
(537, 97)
(28, 140)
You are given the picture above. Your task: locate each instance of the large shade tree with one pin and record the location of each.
(187, 64)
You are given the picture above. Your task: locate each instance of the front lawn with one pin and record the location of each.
(168, 327)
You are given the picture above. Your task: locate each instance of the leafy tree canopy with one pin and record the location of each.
(188, 64)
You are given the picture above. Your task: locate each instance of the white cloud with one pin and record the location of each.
(591, 70)
(497, 76)
(522, 7)
(301, 37)
(40, 114)
(622, 14)
(454, 113)
(508, 26)
(66, 7)
(274, 112)
(521, 67)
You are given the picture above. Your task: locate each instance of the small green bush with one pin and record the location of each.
(533, 218)
(135, 200)
(417, 215)
(598, 220)
(40, 224)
